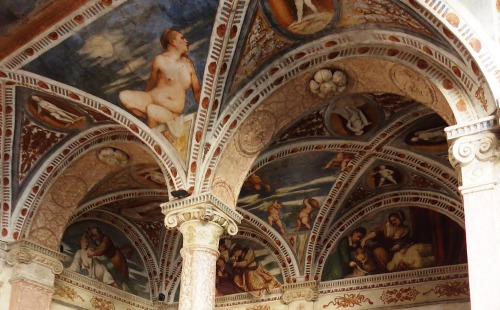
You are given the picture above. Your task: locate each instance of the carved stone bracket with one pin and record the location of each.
(203, 207)
(300, 291)
(25, 252)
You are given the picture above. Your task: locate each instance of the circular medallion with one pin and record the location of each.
(255, 132)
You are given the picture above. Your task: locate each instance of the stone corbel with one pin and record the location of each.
(307, 291)
(202, 207)
(25, 252)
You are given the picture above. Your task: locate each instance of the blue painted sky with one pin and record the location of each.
(115, 52)
(291, 180)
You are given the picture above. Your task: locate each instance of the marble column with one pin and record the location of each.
(475, 152)
(201, 219)
(27, 277)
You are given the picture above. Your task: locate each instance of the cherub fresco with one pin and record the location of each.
(290, 194)
(341, 160)
(273, 217)
(255, 184)
(164, 99)
(352, 115)
(306, 213)
(65, 117)
(394, 244)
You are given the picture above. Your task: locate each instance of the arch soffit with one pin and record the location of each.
(48, 207)
(479, 47)
(250, 101)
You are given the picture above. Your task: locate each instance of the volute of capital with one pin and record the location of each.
(205, 207)
(307, 291)
(24, 252)
(480, 147)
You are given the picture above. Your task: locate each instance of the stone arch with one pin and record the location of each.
(163, 150)
(47, 209)
(247, 112)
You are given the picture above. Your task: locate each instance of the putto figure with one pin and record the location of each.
(164, 98)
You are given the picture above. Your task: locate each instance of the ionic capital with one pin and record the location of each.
(307, 291)
(203, 207)
(475, 141)
(25, 252)
(481, 147)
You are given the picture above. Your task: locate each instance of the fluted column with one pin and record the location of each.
(475, 152)
(27, 275)
(201, 219)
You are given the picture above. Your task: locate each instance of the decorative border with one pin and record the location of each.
(7, 119)
(467, 40)
(96, 287)
(368, 283)
(225, 34)
(170, 272)
(114, 197)
(395, 279)
(490, 123)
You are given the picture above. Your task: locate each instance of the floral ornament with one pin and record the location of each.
(113, 157)
(327, 82)
(449, 289)
(349, 300)
(403, 294)
(101, 304)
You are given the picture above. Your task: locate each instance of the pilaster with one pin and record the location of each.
(475, 153)
(201, 219)
(28, 273)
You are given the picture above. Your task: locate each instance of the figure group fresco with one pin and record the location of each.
(394, 240)
(245, 266)
(288, 193)
(93, 250)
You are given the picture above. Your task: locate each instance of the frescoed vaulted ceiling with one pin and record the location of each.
(310, 127)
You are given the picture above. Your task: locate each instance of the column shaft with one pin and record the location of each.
(198, 279)
(201, 219)
(475, 152)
